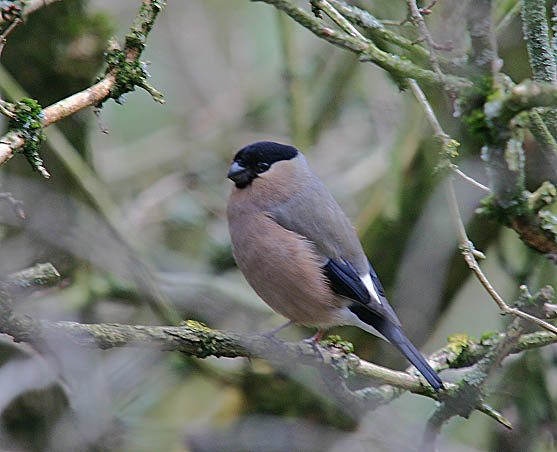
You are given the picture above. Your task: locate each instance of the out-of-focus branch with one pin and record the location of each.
(468, 251)
(417, 18)
(296, 89)
(38, 276)
(117, 80)
(99, 196)
(367, 50)
(377, 30)
(483, 53)
(522, 97)
(470, 392)
(197, 340)
(540, 54)
(16, 204)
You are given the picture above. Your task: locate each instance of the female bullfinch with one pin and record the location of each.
(300, 253)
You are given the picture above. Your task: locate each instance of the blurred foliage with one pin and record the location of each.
(229, 78)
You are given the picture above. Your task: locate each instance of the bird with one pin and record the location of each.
(300, 253)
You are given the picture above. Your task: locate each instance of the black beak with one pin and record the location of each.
(236, 171)
(240, 175)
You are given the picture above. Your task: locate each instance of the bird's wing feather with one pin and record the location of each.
(344, 281)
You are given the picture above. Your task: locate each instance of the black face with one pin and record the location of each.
(257, 158)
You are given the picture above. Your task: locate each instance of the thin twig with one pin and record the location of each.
(417, 17)
(339, 19)
(420, 96)
(470, 179)
(465, 243)
(467, 250)
(8, 30)
(367, 50)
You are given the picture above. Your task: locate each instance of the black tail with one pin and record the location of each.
(400, 341)
(396, 337)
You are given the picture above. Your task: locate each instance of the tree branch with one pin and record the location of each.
(197, 340)
(471, 392)
(332, 357)
(483, 52)
(101, 91)
(417, 18)
(38, 276)
(540, 54)
(367, 50)
(522, 97)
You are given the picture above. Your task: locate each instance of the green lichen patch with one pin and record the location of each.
(548, 221)
(137, 37)
(27, 122)
(545, 195)
(492, 209)
(471, 106)
(488, 337)
(129, 74)
(337, 342)
(459, 342)
(195, 325)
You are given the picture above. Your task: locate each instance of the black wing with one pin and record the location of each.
(345, 281)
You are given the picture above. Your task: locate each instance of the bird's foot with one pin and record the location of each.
(314, 342)
(316, 338)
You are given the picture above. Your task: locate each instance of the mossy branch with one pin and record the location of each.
(367, 50)
(522, 97)
(540, 54)
(38, 276)
(333, 357)
(119, 79)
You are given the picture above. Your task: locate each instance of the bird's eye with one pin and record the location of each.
(262, 167)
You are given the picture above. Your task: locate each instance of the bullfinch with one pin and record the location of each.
(300, 253)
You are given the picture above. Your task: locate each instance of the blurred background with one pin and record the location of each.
(154, 191)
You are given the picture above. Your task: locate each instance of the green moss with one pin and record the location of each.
(27, 122)
(504, 215)
(488, 336)
(195, 325)
(337, 342)
(129, 74)
(471, 106)
(459, 342)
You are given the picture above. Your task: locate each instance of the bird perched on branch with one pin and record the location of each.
(300, 253)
